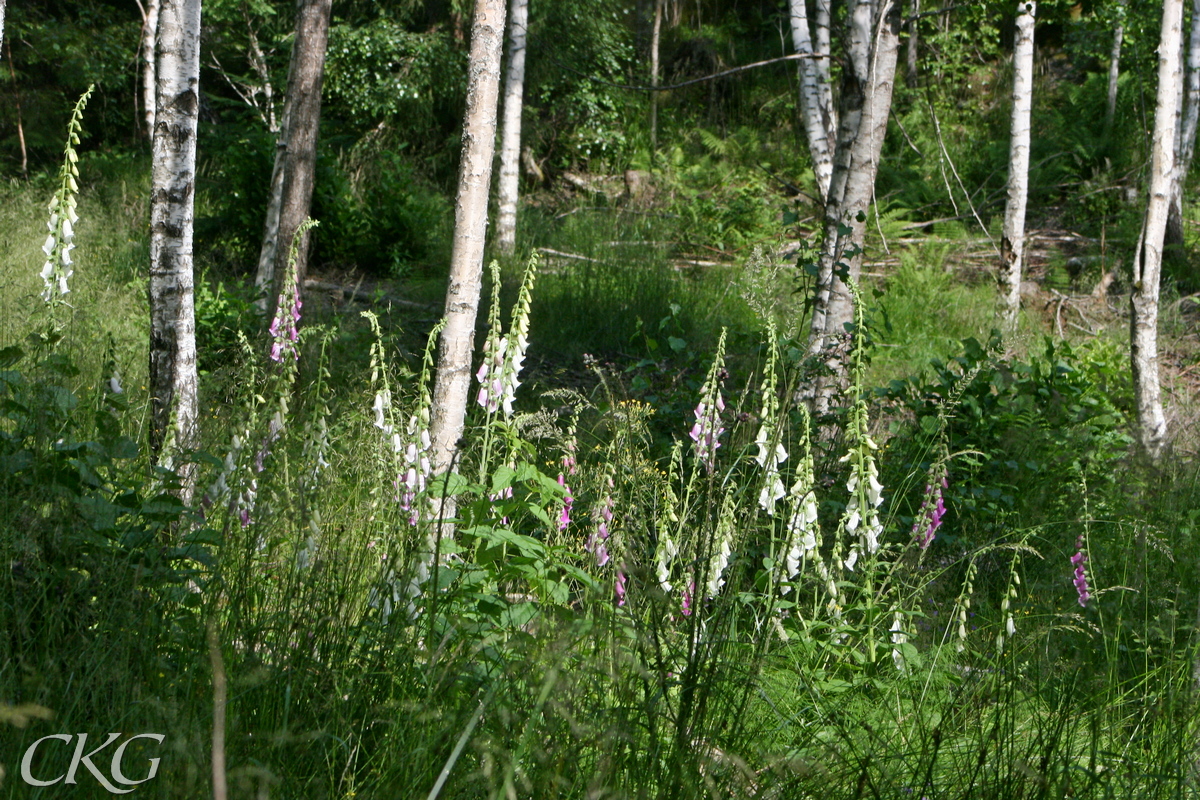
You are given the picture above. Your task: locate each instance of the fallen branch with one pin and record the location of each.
(361, 296)
(572, 256)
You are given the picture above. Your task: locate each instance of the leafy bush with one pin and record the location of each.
(1024, 429)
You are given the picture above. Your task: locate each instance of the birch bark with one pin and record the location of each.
(1188, 115)
(816, 103)
(149, 32)
(296, 150)
(510, 131)
(453, 380)
(2, 2)
(1012, 241)
(1147, 262)
(868, 79)
(1114, 68)
(655, 38)
(173, 382)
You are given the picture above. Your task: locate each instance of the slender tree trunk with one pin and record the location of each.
(173, 382)
(655, 38)
(1147, 262)
(453, 381)
(12, 73)
(1012, 241)
(296, 149)
(149, 33)
(1114, 69)
(2, 2)
(820, 124)
(868, 79)
(911, 75)
(510, 132)
(1188, 115)
(824, 9)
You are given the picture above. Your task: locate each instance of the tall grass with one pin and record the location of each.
(527, 664)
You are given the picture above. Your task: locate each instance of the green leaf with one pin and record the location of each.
(10, 356)
(448, 485)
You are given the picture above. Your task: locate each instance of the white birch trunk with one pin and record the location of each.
(510, 131)
(819, 126)
(1114, 69)
(456, 348)
(1147, 262)
(2, 2)
(865, 107)
(1012, 241)
(1188, 115)
(821, 44)
(149, 83)
(655, 38)
(173, 381)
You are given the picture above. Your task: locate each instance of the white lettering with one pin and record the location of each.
(86, 760)
(118, 775)
(27, 760)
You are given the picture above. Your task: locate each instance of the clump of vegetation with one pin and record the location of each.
(663, 577)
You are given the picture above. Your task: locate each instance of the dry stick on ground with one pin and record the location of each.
(354, 293)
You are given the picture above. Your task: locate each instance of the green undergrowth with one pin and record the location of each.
(664, 579)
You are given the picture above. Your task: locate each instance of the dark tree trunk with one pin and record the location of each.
(296, 152)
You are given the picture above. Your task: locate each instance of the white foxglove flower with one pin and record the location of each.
(666, 556)
(382, 404)
(899, 637)
(852, 559)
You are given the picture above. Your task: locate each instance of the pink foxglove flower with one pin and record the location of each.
(564, 516)
(1080, 579)
(504, 356)
(597, 542)
(417, 465)
(619, 587)
(685, 605)
(491, 387)
(707, 430)
(933, 509)
(283, 330)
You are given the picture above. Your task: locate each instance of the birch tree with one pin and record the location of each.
(172, 316)
(2, 2)
(1114, 67)
(816, 93)
(510, 131)
(1188, 115)
(1012, 240)
(868, 77)
(295, 151)
(1147, 261)
(149, 83)
(655, 41)
(457, 344)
